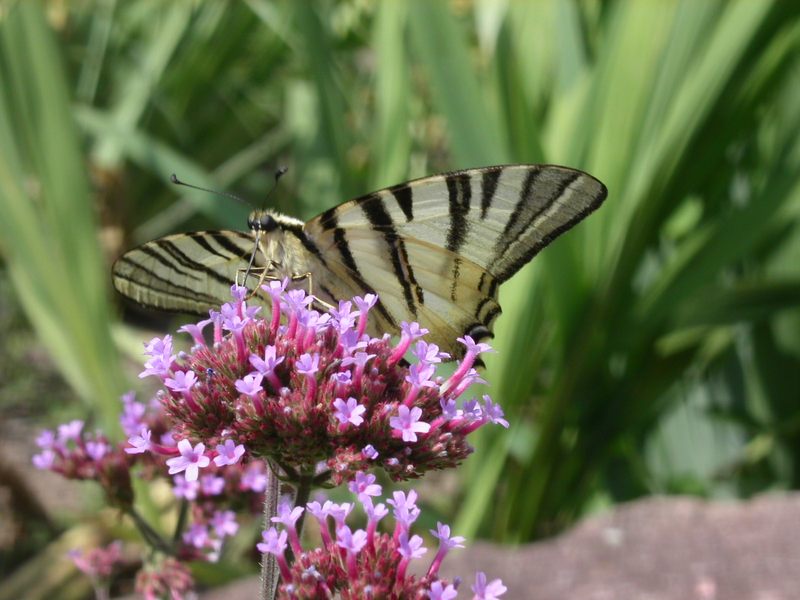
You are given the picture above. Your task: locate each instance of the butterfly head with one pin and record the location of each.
(262, 220)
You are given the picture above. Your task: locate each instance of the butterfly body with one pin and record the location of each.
(434, 250)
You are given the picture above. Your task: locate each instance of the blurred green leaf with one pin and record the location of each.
(48, 230)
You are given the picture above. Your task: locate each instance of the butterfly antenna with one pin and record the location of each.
(279, 172)
(176, 181)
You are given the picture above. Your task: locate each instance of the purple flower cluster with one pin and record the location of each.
(227, 486)
(364, 563)
(76, 454)
(305, 388)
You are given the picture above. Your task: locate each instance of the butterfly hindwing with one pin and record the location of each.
(186, 272)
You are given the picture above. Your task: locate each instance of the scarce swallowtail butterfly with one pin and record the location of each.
(434, 249)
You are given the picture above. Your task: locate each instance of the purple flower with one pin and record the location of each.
(70, 431)
(410, 548)
(349, 412)
(408, 424)
(474, 347)
(224, 523)
(442, 533)
(239, 293)
(473, 410)
(140, 443)
(320, 511)
(405, 508)
(273, 542)
(366, 303)
(439, 592)
(132, 415)
(345, 319)
(250, 385)
(183, 381)
(159, 346)
(342, 377)
(351, 341)
(487, 591)
(428, 353)
(96, 449)
(268, 363)
(375, 512)
(160, 352)
(419, 375)
(493, 413)
(287, 516)
(339, 512)
(44, 460)
(359, 359)
(254, 478)
(46, 439)
(190, 460)
(446, 543)
(228, 453)
(231, 319)
(364, 485)
(353, 542)
(183, 488)
(450, 409)
(196, 535)
(196, 331)
(307, 364)
(212, 485)
(369, 452)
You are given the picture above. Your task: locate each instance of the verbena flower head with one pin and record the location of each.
(75, 453)
(364, 563)
(230, 484)
(313, 392)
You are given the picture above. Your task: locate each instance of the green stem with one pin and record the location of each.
(304, 487)
(179, 526)
(150, 535)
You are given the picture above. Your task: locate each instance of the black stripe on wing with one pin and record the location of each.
(382, 223)
(489, 179)
(168, 287)
(150, 250)
(548, 236)
(343, 248)
(190, 263)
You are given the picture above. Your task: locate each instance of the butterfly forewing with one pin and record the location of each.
(435, 249)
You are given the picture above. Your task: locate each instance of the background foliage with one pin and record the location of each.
(652, 350)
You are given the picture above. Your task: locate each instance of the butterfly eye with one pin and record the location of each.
(267, 223)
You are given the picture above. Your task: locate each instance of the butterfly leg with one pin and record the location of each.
(261, 272)
(309, 277)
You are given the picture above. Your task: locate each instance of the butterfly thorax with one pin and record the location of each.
(280, 250)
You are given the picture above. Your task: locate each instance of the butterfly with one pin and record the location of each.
(433, 249)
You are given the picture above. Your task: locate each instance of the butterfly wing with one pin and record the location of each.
(186, 272)
(436, 249)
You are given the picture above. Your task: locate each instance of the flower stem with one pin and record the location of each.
(301, 499)
(149, 534)
(181, 524)
(270, 573)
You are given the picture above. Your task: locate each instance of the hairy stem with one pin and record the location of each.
(269, 565)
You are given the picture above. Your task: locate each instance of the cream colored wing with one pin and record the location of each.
(435, 249)
(186, 272)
